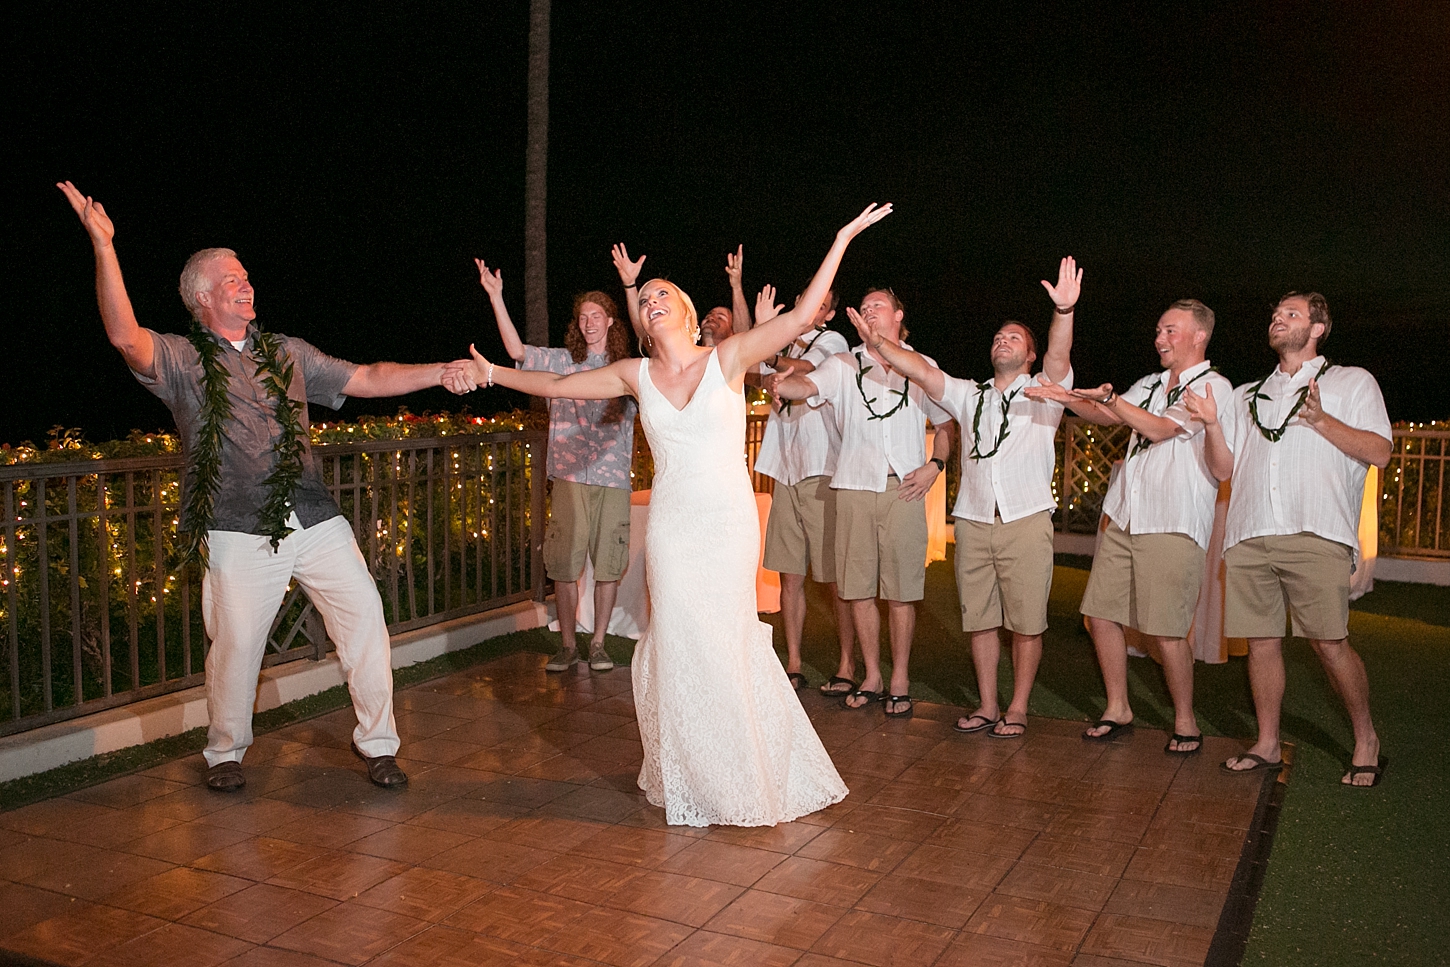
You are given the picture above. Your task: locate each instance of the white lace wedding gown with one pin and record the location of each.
(725, 738)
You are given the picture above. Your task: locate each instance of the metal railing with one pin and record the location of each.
(1412, 499)
(93, 617)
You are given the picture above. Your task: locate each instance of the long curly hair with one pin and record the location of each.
(616, 344)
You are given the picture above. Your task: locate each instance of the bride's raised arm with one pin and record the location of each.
(619, 378)
(744, 350)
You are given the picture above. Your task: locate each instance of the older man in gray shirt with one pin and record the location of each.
(254, 508)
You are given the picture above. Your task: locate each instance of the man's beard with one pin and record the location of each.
(1290, 341)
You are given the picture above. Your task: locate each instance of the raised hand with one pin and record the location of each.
(861, 222)
(772, 380)
(1096, 394)
(765, 306)
(1313, 409)
(1069, 284)
(1203, 408)
(734, 266)
(1046, 389)
(628, 271)
(91, 213)
(862, 329)
(492, 282)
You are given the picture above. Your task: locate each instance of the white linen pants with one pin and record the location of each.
(240, 594)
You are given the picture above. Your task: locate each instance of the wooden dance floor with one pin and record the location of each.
(523, 840)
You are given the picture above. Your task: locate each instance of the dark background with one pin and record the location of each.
(358, 158)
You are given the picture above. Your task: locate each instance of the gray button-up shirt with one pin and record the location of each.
(248, 437)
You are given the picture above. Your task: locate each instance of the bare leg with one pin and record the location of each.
(1178, 672)
(986, 653)
(605, 593)
(1266, 679)
(1026, 656)
(566, 606)
(1112, 651)
(845, 634)
(793, 617)
(1346, 672)
(902, 618)
(867, 621)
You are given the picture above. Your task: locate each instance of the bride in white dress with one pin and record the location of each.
(725, 738)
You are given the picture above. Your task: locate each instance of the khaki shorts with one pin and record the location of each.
(802, 529)
(590, 522)
(1307, 571)
(1004, 573)
(880, 545)
(1145, 581)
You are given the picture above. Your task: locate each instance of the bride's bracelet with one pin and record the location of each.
(488, 377)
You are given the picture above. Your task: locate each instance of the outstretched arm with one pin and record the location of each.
(1216, 452)
(909, 363)
(1102, 405)
(1057, 361)
(397, 379)
(124, 332)
(1366, 446)
(764, 341)
(739, 308)
(617, 379)
(629, 275)
(790, 385)
(492, 283)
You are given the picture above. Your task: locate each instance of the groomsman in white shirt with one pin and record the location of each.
(798, 451)
(882, 476)
(1299, 448)
(1149, 564)
(1005, 502)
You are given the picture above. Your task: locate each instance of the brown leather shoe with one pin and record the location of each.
(225, 777)
(382, 770)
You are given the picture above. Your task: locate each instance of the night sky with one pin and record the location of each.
(358, 157)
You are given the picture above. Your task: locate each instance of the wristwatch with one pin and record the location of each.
(940, 464)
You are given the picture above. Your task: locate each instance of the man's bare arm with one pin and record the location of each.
(398, 379)
(739, 308)
(492, 283)
(1057, 361)
(916, 485)
(125, 333)
(1366, 446)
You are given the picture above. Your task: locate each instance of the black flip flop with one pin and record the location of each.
(1180, 739)
(986, 724)
(905, 713)
(870, 697)
(1115, 729)
(1010, 725)
(1260, 764)
(1378, 771)
(829, 688)
(797, 680)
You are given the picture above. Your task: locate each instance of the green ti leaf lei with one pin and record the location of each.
(1141, 443)
(274, 371)
(1002, 431)
(785, 405)
(861, 370)
(1275, 434)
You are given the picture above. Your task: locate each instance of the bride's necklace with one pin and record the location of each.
(1274, 434)
(861, 370)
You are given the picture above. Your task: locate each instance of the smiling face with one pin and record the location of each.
(1012, 350)
(1290, 329)
(717, 326)
(594, 325)
(1179, 340)
(227, 306)
(664, 309)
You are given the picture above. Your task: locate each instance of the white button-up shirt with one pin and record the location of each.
(800, 440)
(1166, 487)
(873, 449)
(1017, 479)
(1303, 482)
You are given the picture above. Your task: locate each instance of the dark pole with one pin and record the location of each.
(536, 163)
